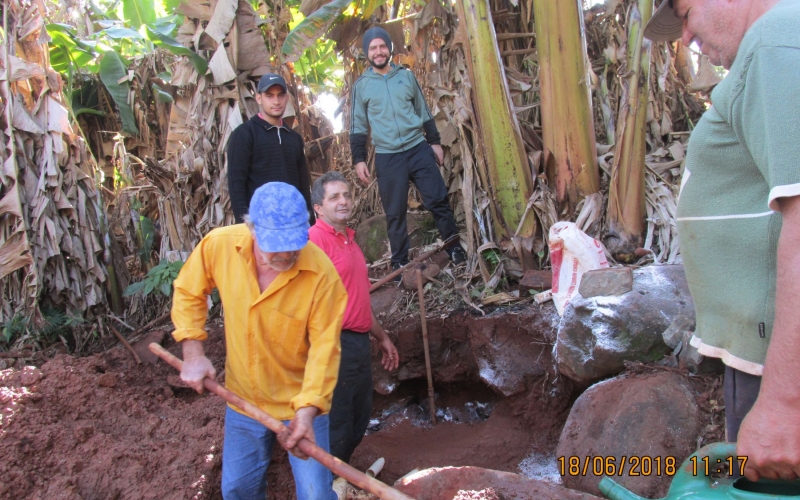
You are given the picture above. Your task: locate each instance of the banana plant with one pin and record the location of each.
(317, 24)
(129, 29)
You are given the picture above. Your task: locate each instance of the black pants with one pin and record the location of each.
(394, 170)
(740, 390)
(352, 397)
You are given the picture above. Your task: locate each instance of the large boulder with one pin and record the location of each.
(652, 419)
(459, 483)
(598, 334)
(373, 239)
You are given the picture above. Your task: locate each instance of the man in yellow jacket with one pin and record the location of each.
(284, 304)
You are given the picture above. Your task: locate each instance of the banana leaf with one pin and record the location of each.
(138, 12)
(311, 29)
(112, 70)
(68, 51)
(174, 46)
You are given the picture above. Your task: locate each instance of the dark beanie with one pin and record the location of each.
(373, 33)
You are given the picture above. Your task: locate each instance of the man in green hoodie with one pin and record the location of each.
(388, 100)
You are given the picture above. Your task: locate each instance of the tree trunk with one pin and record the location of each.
(570, 150)
(506, 161)
(625, 221)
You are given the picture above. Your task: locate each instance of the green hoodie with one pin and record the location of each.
(394, 108)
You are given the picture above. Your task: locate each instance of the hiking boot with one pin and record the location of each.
(457, 255)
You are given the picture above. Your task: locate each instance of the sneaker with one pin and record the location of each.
(399, 277)
(457, 255)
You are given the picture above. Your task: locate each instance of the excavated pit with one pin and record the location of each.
(104, 427)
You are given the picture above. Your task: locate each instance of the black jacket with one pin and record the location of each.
(258, 153)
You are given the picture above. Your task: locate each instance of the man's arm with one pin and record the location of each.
(240, 152)
(359, 130)
(390, 359)
(770, 433)
(189, 313)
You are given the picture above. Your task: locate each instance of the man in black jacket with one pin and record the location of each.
(263, 150)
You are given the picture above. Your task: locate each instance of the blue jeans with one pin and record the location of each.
(246, 453)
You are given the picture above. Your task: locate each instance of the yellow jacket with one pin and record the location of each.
(282, 345)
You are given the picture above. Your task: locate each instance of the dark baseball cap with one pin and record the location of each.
(269, 80)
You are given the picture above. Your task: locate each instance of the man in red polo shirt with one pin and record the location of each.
(352, 398)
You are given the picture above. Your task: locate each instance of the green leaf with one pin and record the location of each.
(138, 12)
(172, 45)
(162, 94)
(133, 289)
(311, 29)
(166, 288)
(112, 70)
(369, 6)
(67, 50)
(165, 26)
(148, 287)
(118, 33)
(172, 5)
(79, 110)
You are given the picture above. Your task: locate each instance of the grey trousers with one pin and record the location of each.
(740, 390)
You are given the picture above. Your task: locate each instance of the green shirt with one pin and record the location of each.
(743, 155)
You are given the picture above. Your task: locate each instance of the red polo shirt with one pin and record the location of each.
(352, 268)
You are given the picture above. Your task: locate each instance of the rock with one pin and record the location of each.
(608, 281)
(441, 259)
(678, 336)
(675, 333)
(372, 238)
(30, 375)
(504, 351)
(410, 274)
(384, 298)
(107, 380)
(458, 483)
(142, 346)
(652, 417)
(538, 281)
(598, 334)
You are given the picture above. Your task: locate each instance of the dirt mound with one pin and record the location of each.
(104, 427)
(473, 483)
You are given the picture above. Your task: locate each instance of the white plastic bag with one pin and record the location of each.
(572, 253)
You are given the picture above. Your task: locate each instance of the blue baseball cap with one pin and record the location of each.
(280, 218)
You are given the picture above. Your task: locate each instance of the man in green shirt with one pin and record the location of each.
(739, 217)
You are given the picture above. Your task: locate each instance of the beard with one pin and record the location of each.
(382, 65)
(282, 265)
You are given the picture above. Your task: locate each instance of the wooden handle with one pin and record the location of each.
(338, 467)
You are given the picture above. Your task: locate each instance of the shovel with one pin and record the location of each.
(336, 466)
